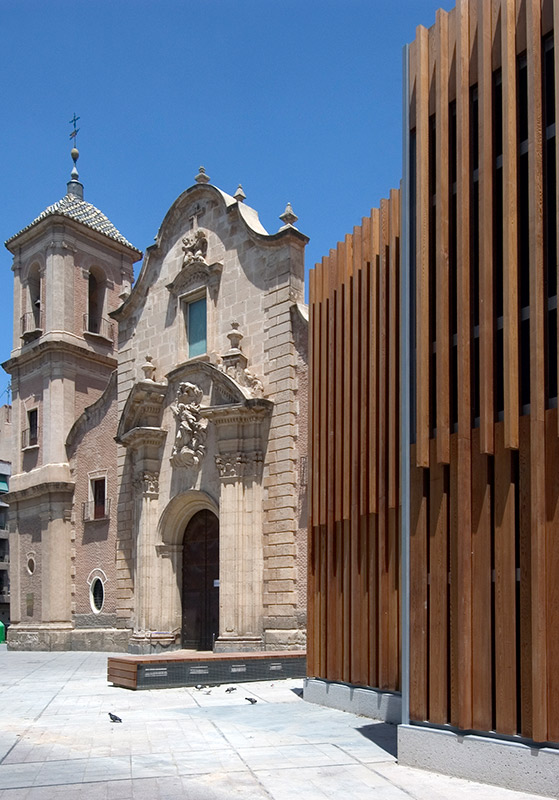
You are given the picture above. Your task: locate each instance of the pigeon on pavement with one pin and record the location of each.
(251, 700)
(114, 717)
(231, 689)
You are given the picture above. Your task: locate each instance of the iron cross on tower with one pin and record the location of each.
(75, 132)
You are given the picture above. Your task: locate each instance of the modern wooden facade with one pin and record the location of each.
(353, 616)
(479, 221)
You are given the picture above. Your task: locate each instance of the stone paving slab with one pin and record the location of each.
(57, 742)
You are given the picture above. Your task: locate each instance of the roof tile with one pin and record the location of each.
(74, 208)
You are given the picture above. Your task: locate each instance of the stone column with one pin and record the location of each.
(146, 567)
(241, 558)
(168, 610)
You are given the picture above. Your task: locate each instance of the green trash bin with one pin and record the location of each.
(2, 632)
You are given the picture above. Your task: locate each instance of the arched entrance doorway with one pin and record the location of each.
(200, 582)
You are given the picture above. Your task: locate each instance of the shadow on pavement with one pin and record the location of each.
(383, 734)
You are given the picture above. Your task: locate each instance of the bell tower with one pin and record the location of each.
(72, 268)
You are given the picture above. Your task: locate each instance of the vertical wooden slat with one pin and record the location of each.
(317, 351)
(418, 591)
(323, 592)
(393, 362)
(382, 448)
(464, 365)
(326, 539)
(505, 588)
(323, 445)
(373, 374)
(556, 77)
(393, 421)
(345, 252)
(486, 165)
(358, 654)
(552, 599)
(438, 591)
(346, 543)
(454, 596)
(339, 384)
(334, 587)
(537, 367)
(372, 608)
(510, 241)
(482, 715)
(373, 519)
(442, 238)
(423, 344)
(525, 551)
(393, 583)
(366, 355)
(361, 612)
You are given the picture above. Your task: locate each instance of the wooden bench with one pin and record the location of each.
(185, 668)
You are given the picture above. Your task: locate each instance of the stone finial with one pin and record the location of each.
(202, 177)
(235, 336)
(239, 195)
(148, 369)
(75, 154)
(289, 217)
(74, 187)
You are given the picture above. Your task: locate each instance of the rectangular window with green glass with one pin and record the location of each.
(196, 327)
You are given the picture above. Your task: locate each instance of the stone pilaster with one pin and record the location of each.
(241, 558)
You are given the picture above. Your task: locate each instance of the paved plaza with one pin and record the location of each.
(56, 741)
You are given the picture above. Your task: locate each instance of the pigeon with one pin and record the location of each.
(251, 700)
(114, 717)
(208, 691)
(231, 689)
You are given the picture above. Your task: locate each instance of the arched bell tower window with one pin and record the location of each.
(94, 303)
(94, 321)
(31, 321)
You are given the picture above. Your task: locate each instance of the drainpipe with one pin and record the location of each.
(405, 391)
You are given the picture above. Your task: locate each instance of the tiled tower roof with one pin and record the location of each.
(79, 210)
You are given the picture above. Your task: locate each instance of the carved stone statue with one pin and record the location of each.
(190, 440)
(195, 247)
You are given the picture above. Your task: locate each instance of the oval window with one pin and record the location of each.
(31, 565)
(97, 594)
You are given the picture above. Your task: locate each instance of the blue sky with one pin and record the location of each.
(298, 100)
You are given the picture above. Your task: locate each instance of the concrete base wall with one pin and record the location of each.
(238, 644)
(513, 765)
(386, 706)
(150, 649)
(110, 640)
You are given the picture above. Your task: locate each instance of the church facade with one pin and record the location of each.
(158, 494)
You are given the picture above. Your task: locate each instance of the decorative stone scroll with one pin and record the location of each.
(190, 440)
(195, 248)
(232, 466)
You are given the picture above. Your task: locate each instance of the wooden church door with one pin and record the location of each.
(200, 582)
